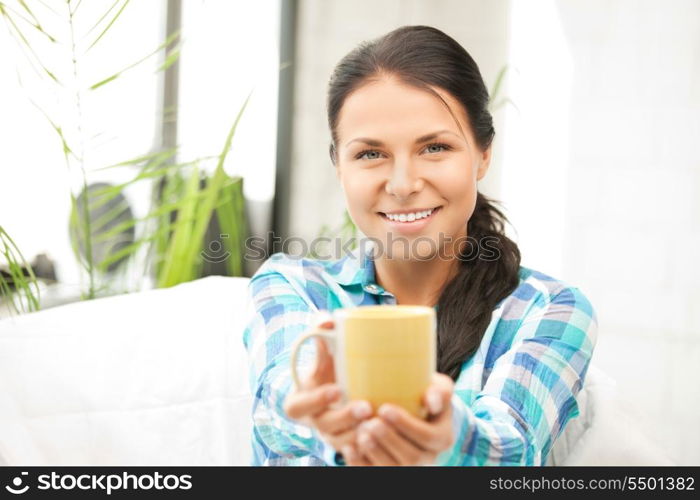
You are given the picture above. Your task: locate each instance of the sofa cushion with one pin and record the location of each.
(151, 378)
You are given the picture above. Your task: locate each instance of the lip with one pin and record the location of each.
(411, 210)
(410, 227)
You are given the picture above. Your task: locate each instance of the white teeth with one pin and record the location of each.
(410, 217)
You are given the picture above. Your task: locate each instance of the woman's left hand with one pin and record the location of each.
(396, 437)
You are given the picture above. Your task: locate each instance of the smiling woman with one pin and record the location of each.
(405, 177)
(411, 137)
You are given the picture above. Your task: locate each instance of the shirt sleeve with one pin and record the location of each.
(277, 313)
(530, 394)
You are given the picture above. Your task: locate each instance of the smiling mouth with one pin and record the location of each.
(412, 218)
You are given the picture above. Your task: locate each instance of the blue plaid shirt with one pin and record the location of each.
(512, 399)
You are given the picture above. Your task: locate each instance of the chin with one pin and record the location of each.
(420, 248)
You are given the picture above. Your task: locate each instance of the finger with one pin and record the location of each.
(371, 448)
(438, 395)
(352, 457)
(423, 434)
(433, 401)
(443, 381)
(326, 324)
(310, 402)
(323, 371)
(402, 450)
(336, 421)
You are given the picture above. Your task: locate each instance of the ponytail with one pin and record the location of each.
(467, 302)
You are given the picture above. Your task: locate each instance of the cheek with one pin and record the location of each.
(459, 189)
(461, 210)
(358, 194)
(461, 193)
(352, 184)
(457, 184)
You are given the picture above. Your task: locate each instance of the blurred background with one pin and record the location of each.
(116, 118)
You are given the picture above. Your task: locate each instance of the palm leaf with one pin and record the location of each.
(116, 75)
(114, 19)
(25, 287)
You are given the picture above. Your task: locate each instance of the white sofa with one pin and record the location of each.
(160, 378)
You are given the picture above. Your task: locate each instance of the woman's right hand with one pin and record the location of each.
(311, 403)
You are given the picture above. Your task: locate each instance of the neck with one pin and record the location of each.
(415, 282)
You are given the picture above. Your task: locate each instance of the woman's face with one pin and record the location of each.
(400, 151)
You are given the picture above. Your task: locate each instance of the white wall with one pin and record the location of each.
(633, 216)
(599, 168)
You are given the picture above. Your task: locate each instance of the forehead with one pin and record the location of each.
(388, 107)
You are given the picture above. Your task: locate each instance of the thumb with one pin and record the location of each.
(324, 319)
(324, 370)
(438, 395)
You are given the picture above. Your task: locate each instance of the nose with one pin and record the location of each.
(404, 180)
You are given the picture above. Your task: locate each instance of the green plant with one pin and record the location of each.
(169, 239)
(347, 233)
(20, 288)
(183, 203)
(494, 102)
(221, 195)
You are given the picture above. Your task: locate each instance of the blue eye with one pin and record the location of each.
(367, 152)
(371, 154)
(444, 147)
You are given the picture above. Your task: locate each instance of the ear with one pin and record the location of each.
(484, 162)
(334, 159)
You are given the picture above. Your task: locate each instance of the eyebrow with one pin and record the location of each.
(379, 144)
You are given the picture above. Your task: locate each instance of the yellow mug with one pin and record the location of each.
(382, 353)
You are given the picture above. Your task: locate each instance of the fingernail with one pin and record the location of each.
(364, 427)
(388, 413)
(366, 441)
(434, 402)
(332, 393)
(377, 428)
(361, 409)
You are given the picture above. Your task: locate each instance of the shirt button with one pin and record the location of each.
(372, 288)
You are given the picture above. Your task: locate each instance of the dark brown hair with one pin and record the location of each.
(423, 56)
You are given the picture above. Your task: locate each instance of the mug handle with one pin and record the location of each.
(316, 331)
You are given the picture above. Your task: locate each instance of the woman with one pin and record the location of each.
(411, 136)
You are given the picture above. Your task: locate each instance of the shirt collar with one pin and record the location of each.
(357, 268)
